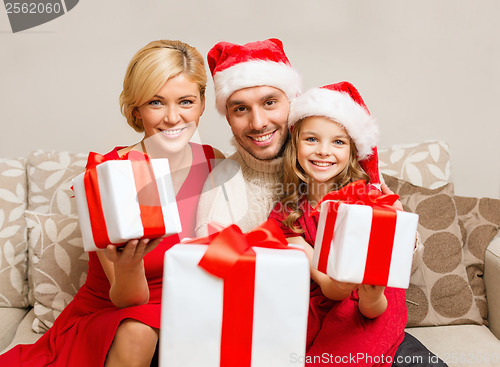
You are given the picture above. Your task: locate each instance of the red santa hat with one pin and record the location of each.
(342, 103)
(260, 63)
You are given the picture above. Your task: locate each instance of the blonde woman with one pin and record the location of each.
(115, 316)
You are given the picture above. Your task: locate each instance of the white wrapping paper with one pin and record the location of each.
(192, 309)
(120, 203)
(349, 246)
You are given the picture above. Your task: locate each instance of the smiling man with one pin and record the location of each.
(256, 118)
(254, 84)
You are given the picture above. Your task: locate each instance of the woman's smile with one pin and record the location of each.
(174, 132)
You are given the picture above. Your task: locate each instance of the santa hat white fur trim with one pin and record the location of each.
(341, 108)
(252, 74)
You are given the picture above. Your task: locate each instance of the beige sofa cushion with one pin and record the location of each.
(480, 221)
(10, 318)
(424, 164)
(439, 292)
(24, 332)
(49, 180)
(461, 345)
(13, 245)
(50, 175)
(59, 264)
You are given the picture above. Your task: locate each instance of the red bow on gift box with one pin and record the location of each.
(230, 244)
(358, 192)
(382, 228)
(145, 182)
(230, 256)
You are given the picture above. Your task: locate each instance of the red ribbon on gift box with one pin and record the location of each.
(230, 256)
(383, 227)
(145, 183)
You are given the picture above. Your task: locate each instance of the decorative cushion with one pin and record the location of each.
(59, 264)
(50, 175)
(480, 221)
(49, 180)
(439, 292)
(13, 245)
(425, 164)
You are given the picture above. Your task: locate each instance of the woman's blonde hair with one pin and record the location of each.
(295, 181)
(151, 67)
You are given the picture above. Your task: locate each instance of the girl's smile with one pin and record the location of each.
(322, 164)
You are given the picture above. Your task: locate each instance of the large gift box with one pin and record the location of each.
(242, 300)
(129, 198)
(362, 239)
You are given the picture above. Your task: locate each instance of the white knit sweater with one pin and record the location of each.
(241, 190)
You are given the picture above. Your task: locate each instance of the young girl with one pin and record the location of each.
(333, 143)
(115, 316)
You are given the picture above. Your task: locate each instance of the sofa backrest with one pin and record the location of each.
(13, 240)
(42, 262)
(426, 164)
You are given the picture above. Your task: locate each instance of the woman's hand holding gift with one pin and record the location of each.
(124, 267)
(131, 254)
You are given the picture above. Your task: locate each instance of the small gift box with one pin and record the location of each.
(362, 239)
(236, 300)
(129, 198)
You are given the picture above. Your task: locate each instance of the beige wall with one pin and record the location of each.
(427, 69)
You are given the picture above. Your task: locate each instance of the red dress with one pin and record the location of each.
(337, 333)
(83, 332)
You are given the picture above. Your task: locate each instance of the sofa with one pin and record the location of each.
(453, 300)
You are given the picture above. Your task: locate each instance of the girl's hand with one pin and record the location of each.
(331, 288)
(370, 293)
(372, 301)
(335, 290)
(387, 191)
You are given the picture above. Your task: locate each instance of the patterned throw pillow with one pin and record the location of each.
(50, 175)
(439, 292)
(13, 245)
(59, 264)
(480, 221)
(425, 164)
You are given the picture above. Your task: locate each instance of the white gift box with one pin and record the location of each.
(347, 251)
(120, 203)
(192, 309)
